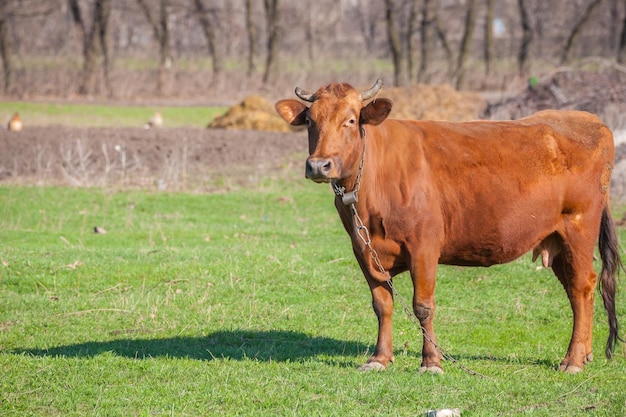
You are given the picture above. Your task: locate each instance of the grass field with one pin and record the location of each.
(101, 115)
(249, 304)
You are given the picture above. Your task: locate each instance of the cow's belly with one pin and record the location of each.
(482, 256)
(486, 238)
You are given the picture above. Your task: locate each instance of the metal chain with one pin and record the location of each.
(350, 198)
(357, 186)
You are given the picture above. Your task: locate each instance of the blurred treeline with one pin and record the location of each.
(215, 49)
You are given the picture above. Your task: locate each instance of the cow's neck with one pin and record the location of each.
(350, 196)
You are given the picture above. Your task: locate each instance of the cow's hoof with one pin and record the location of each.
(589, 357)
(372, 366)
(433, 369)
(569, 369)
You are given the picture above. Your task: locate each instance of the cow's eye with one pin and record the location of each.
(351, 122)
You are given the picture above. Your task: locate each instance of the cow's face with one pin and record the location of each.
(334, 119)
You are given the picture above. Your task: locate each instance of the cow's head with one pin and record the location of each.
(335, 120)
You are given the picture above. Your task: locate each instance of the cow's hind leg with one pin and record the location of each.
(574, 268)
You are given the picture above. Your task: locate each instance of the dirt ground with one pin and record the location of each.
(214, 160)
(204, 160)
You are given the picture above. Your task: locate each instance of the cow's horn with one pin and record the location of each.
(367, 94)
(304, 95)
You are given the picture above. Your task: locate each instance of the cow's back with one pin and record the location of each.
(578, 126)
(541, 140)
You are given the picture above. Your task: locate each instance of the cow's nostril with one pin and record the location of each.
(318, 168)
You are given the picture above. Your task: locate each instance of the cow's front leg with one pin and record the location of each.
(423, 276)
(382, 302)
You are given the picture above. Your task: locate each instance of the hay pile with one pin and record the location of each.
(253, 113)
(429, 102)
(434, 102)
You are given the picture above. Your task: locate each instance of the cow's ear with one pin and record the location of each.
(292, 111)
(375, 112)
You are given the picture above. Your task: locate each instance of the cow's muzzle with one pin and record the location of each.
(319, 169)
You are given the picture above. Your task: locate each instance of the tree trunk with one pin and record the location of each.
(309, 33)
(94, 45)
(161, 33)
(367, 24)
(273, 38)
(527, 37)
(621, 50)
(427, 31)
(395, 45)
(79, 26)
(488, 40)
(466, 42)
(578, 27)
(614, 26)
(164, 46)
(208, 29)
(413, 24)
(5, 48)
(90, 57)
(103, 30)
(441, 35)
(252, 37)
(77, 17)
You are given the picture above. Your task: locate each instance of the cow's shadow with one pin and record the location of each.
(264, 346)
(272, 345)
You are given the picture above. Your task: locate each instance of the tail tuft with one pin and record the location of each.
(611, 265)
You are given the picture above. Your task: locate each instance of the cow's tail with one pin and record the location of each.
(611, 265)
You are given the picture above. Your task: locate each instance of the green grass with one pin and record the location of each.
(100, 115)
(250, 303)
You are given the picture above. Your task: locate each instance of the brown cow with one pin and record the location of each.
(477, 193)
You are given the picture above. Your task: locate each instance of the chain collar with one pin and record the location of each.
(351, 197)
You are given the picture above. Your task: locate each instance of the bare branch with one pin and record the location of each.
(575, 33)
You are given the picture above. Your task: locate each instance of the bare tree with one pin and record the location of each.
(621, 49)
(427, 32)
(395, 45)
(615, 23)
(577, 29)
(103, 12)
(161, 31)
(310, 32)
(252, 37)
(527, 37)
(12, 11)
(367, 24)
(488, 37)
(412, 32)
(208, 26)
(79, 23)
(5, 47)
(468, 32)
(95, 44)
(441, 35)
(423, 39)
(272, 16)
